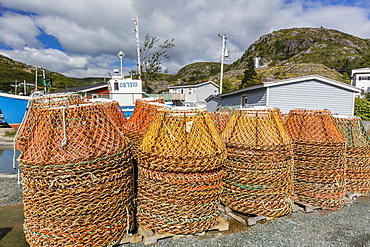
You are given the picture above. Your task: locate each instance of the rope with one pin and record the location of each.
(128, 222)
(64, 141)
(14, 144)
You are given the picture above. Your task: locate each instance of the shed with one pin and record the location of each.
(307, 92)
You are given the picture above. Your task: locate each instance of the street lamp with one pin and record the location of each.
(121, 55)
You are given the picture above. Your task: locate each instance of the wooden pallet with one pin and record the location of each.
(133, 239)
(150, 237)
(246, 220)
(352, 195)
(307, 207)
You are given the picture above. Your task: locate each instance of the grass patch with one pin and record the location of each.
(11, 226)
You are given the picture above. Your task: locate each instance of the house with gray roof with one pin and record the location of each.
(307, 92)
(193, 94)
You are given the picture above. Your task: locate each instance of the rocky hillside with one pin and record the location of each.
(332, 48)
(302, 51)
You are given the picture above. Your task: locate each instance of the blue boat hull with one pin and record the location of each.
(14, 108)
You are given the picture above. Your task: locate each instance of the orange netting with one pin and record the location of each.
(115, 113)
(31, 119)
(357, 153)
(77, 174)
(319, 153)
(144, 111)
(179, 180)
(258, 168)
(220, 119)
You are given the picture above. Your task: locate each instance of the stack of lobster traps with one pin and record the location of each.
(77, 176)
(357, 153)
(180, 175)
(258, 169)
(319, 154)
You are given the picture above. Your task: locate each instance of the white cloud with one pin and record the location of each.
(18, 30)
(92, 32)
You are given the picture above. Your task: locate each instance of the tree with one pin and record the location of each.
(250, 76)
(152, 57)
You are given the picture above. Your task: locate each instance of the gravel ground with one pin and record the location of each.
(349, 226)
(10, 191)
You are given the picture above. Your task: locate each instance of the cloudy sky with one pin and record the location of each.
(81, 38)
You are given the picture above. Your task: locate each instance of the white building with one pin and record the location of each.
(193, 94)
(361, 79)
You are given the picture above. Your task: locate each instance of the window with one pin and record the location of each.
(244, 101)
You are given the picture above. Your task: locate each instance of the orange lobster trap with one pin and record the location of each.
(25, 131)
(319, 154)
(259, 163)
(77, 178)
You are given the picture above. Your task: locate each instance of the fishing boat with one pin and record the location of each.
(125, 90)
(14, 108)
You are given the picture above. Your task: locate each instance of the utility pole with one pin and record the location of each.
(136, 21)
(36, 80)
(222, 58)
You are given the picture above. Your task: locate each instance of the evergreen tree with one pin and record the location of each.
(250, 77)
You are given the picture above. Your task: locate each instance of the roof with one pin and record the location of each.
(83, 89)
(361, 71)
(193, 84)
(293, 80)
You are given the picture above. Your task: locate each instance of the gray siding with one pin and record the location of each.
(202, 92)
(311, 94)
(232, 100)
(212, 104)
(256, 97)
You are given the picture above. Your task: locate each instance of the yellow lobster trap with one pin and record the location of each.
(180, 175)
(258, 179)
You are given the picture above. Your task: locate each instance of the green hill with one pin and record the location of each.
(12, 72)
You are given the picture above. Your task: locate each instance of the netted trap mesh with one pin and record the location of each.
(179, 203)
(220, 119)
(259, 163)
(180, 140)
(180, 181)
(357, 153)
(319, 154)
(31, 120)
(145, 109)
(115, 113)
(77, 175)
